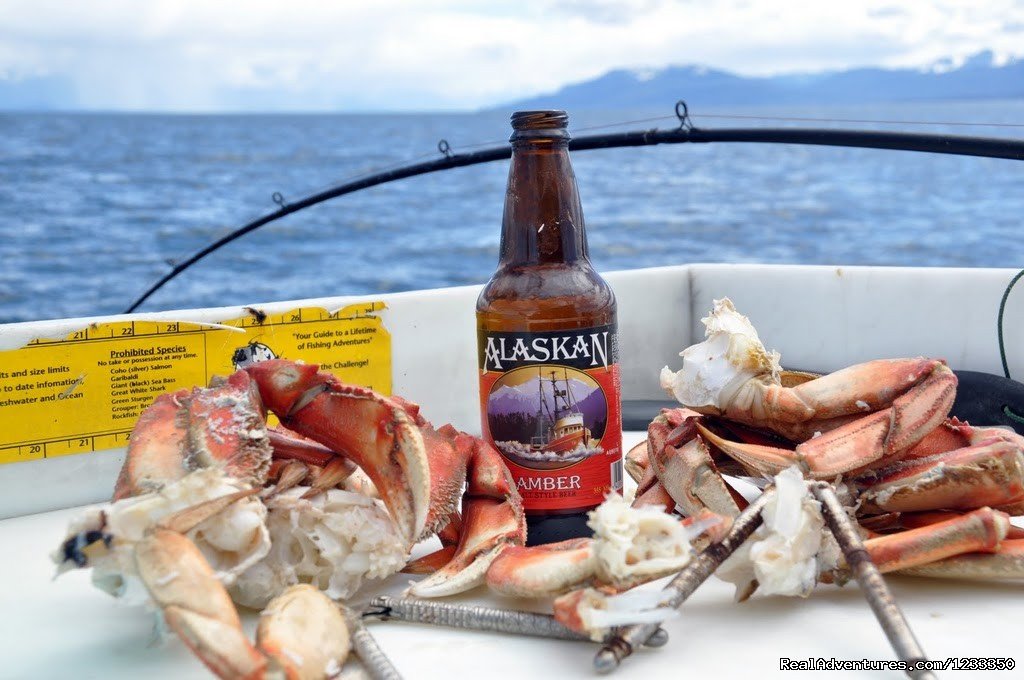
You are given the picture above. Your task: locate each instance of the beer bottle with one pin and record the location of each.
(549, 382)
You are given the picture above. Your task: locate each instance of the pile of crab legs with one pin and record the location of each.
(932, 496)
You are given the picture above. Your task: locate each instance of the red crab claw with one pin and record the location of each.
(374, 432)
(492, 512)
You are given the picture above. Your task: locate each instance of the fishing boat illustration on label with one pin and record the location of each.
(547, 417)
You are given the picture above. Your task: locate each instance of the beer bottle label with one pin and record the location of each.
(550, 406)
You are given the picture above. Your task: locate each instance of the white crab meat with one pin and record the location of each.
(598, 612)
(730, 356)
(231, 541)
(332, 541)
(636, 544)
(781, 556)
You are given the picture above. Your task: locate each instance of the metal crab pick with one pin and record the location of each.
(876, 592)
(872, 585)
(627, 639)
(474, 617)
(378, 666)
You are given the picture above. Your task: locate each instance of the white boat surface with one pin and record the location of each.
(819, 317)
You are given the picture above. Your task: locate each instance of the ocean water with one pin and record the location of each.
(94, 206)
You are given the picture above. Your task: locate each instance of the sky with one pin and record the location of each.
(344, 55)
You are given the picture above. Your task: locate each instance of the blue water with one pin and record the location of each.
(92, 206)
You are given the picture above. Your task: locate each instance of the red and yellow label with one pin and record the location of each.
(550, 405)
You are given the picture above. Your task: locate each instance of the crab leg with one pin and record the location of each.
(879, 435)
(676, 468)
(864, 388)
(636, 461)
(543, 570)
(372, 431)
(989, 473)
(630, 546)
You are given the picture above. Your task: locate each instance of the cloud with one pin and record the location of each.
(441, 54)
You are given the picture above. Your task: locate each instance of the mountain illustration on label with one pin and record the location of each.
(546, 417)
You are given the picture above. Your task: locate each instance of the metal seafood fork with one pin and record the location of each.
(474, 617)
(466, 617)
(625, 640)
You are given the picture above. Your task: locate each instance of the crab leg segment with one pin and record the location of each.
(690, 476)
(492, 521)
(990, 473)
(630, 546)
(636, 461)
(195, 604)
(677, 469)
(979, 531)
(293, 446)
(372, 431)
(862, 388)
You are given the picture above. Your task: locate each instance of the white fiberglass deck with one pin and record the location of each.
(818, 317)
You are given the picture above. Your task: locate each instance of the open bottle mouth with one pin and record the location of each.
(536, 124)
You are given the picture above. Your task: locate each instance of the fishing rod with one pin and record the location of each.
(685, 133)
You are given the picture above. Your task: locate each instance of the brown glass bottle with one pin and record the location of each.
(549, 386)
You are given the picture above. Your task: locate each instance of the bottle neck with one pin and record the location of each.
(543, 221)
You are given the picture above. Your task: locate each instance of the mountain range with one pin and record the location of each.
(978, 77)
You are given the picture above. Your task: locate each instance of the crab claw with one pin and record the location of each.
(543, 570)
(374, 432)
(492, 519)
